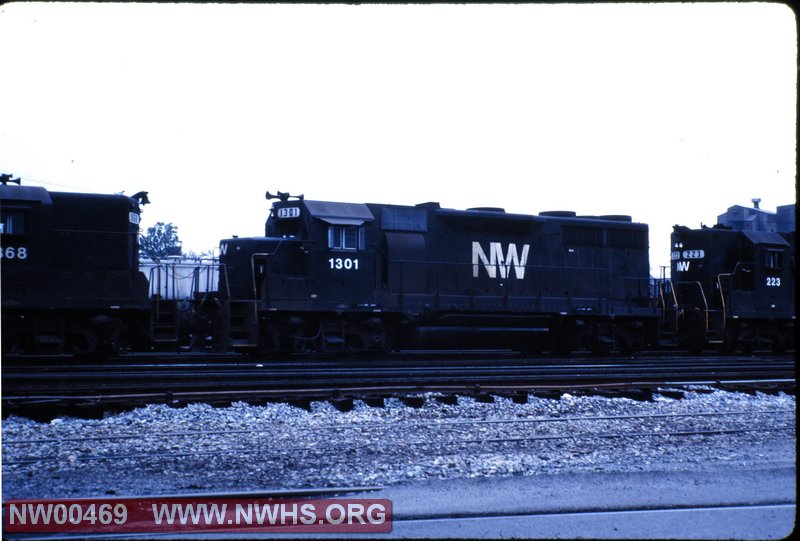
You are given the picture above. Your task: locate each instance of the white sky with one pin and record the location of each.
(668, 112)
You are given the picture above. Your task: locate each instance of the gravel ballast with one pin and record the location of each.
(202, 449)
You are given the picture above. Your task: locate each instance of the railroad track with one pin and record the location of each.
(136, 380)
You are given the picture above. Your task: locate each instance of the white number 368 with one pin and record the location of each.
(14, 253)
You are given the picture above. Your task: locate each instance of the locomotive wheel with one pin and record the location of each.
(382, 340)
(601, 340)
(561, 345)
(747, 346)
(111, 336)
(81, 340)
(625, 344)
(355, 343)
(691, 332)
(696, 346)
(267, 341)
(728, 344)
(124, 339)
(778, 342)
(16, 341)
(565, 336)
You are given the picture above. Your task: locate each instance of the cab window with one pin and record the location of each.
(773, 259)
(343, 237)
(12, 222)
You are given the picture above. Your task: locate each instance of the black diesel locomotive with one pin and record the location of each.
(346, 277)
(733, 284)
(70, 271)
(352, 277)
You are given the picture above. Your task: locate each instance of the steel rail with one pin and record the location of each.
(326, 393)
(128, 384)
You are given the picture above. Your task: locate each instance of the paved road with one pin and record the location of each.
(755, 503)
(696, 502)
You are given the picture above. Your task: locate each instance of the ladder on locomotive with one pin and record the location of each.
(673, 301)
(667, 305)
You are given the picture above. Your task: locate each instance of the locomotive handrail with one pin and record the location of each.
(722, 296)
(705, 302)
(253, 276)
(663, 304)
(150, 279)
(149, 284)
(740, 265)
(223, 270)
(676, 307)
(253, 270)
(156, 295)
(731, 274)
(210, 270)
(662, 286)
(674, 301)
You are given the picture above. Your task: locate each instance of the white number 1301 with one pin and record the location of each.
(346, 263)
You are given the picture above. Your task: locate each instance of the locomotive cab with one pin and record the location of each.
(324, 265)
(70, 272)
(733, 288)
(22, 224)
(311, 265)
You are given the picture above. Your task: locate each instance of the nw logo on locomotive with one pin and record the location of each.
(499, 262)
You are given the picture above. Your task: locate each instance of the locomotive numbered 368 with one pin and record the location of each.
(350, 277)
(70, 271)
